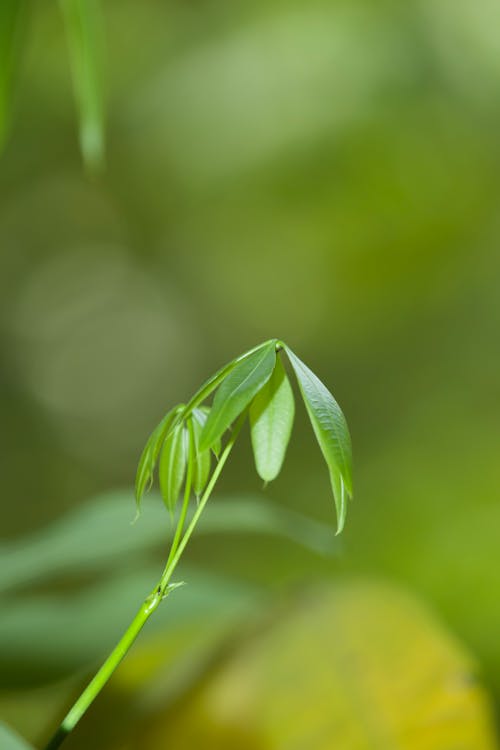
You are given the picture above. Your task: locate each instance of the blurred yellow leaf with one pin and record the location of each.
(362, 667)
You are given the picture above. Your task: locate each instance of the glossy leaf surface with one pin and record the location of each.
(214, 381)
(271, 419)
(332, 433)
(173, 461)
(237, 390)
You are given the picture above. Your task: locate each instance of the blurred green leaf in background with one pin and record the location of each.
(85, 40)
(10, 740)
(361, 667)
(65, 629)
(84, 28)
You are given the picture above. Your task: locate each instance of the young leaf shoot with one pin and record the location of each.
(236, 391)
(149, 456)
(202, 459)
(182, 443)
(173, 462)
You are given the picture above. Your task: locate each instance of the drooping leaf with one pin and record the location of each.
(357, 666)
(84, 27)
(332, 433)
(235, 393)
(172, 468)
(271, 419)
(10, 740)
(149, 456)
(202, 459)
(12, 23)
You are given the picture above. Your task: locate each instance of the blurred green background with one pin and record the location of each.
(323, 172)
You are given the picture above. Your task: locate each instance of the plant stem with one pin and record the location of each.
(148, 606)
(97, 683)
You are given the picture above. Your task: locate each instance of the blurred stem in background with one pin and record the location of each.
(85, 36)
(150, 604)
(12, 24)
(84, 29)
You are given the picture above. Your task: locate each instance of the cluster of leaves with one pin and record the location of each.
(84, 31)
(255, 383)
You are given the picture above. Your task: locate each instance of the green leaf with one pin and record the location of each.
(12, 25)
(332, 433)
(149, 456)
(172, 467)
(202, 459)
(84, 26)
(213, 382)
(10, 740)
(271, 420)
(201, 415)
(237, 390)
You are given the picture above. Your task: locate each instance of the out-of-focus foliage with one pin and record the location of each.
(10, 740)
(12, 17)
(361, 668)
(67, 629)
(84, 33)
(324, 172)
(64, 546)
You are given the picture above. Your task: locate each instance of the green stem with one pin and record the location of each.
(97, 683)
(148, 606)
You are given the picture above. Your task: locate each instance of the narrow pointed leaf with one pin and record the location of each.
(209, 386)
(85, 34)
(172, 467)
(149, 457)
(202, 459)
(235, 393)
(271, 420)
(332, 433)
(212, 383)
